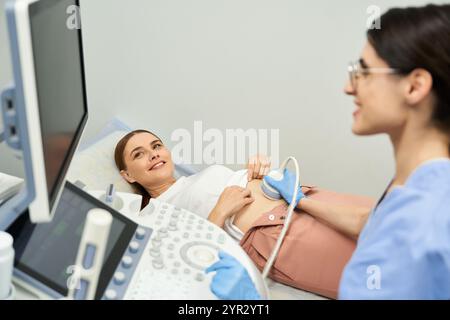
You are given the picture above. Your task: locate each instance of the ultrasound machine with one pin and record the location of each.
(161, 253)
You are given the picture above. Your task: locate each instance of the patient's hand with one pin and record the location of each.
(258, 166)
(231, 201)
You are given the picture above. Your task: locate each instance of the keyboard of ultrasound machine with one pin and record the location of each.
(172, 264)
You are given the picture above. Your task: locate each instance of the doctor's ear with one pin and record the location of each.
(418, 86)
(127, 176)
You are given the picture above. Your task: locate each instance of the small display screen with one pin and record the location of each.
(47, 252)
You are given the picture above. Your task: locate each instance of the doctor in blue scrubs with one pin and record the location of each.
(401, 87)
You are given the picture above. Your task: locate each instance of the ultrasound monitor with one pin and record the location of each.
(47, 109)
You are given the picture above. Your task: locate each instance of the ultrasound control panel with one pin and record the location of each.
(159, 253)
(182, 245)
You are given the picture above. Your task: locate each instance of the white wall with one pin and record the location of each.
(264, 64)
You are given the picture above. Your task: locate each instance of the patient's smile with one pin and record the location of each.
(157, 165)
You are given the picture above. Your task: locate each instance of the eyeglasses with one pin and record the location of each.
(355, 70)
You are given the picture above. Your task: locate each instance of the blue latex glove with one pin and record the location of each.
(285, 186)
(232, 281)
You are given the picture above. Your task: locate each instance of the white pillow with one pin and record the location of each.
(94, 166)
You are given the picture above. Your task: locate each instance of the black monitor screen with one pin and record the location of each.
(59, 74)
(47, 252)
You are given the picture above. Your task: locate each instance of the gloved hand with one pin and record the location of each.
(286, 186)
(232, 281)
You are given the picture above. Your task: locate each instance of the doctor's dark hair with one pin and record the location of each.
(120, 163)
(419, 37)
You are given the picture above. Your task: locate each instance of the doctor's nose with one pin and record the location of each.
(349, 89)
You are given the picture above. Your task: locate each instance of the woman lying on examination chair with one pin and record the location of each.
(313, 254)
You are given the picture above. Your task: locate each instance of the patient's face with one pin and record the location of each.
(148, 161)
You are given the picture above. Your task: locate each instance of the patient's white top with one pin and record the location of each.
(199, 193)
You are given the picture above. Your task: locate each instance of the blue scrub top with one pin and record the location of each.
(403, 251)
